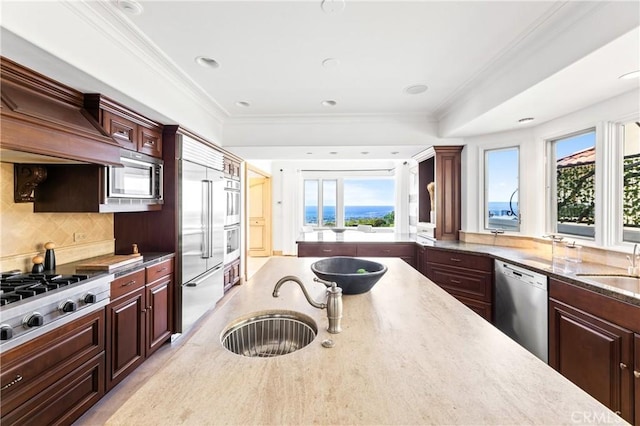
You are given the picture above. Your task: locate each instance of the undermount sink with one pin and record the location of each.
(268, 334)
(622, 281)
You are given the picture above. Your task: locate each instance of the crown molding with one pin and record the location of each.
(331, 118)
(111, 24)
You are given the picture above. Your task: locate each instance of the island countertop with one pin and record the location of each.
(409, 353)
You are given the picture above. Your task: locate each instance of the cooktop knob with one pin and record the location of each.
(68, 306)
(90, 298)
(6, 332)
(34, 320)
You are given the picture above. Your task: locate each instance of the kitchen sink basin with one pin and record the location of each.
(268, 334)
(626, 282)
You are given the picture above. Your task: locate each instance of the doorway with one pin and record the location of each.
(258, 202)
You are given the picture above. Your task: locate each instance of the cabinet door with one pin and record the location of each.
(326, 249)
(121, 130)
(150, 141)
(594, 354)
(159, 318)
(636, 376)
(126, 336)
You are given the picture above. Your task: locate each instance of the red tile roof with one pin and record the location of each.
(586, 156)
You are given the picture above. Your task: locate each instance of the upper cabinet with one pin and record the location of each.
(439, 201)
(129, 129)
(231, 167)
(41, 116)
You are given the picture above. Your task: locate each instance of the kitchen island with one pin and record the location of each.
(409, 353)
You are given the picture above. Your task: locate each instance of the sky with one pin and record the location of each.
(357, 192)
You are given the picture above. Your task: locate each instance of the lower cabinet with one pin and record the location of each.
(56, 377)
(231, 274)
(467, 277)
(138, 318)
(636, 376)
(591, 342)
(406, 251)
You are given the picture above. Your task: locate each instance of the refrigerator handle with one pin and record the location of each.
(211, 218)
(205, 219)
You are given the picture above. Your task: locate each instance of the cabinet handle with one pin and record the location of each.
(149, 308)
(636, 373)
(623, 366)
(163, 269)
(121, 133)
(386, 251)
(453, 259)
(13, 382)
(127, 284)
(326, 250)
(619, 413)
(144, 311)
(455, 281)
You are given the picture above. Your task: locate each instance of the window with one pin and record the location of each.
(501, 206)
(349, 202)
(631, 182)
(573, 189)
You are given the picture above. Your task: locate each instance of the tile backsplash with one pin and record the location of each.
(23, 233)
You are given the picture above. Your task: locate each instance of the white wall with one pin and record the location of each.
(532, 160)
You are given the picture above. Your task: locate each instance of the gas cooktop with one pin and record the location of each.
(16, 287)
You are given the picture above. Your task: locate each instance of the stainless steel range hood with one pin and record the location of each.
(45, 118)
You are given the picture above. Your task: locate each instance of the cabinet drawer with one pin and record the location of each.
(462, 260)
(127, 283)
(159, 270)
(387, 250)
(122, 130)
(46, 361)
(460, 282)
(481, 308)
(326, 250)
(150, 141)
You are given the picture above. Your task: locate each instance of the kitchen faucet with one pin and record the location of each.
(633, 269)
(333, 305)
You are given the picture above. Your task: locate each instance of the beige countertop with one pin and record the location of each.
(409, 353)
(353, 236)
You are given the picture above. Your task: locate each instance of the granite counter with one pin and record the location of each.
(409, 353)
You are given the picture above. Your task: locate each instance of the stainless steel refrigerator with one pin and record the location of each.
(201, 237)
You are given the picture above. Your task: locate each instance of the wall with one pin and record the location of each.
(532, 143)
(23, 233)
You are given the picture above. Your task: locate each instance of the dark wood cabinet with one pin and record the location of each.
(139, 318)
(421, 259)
(636, 376)
(129, 129)
(406, 251)
(467, 277)
(231, 167)
(591, 342)
(56, 377)
(231, 274)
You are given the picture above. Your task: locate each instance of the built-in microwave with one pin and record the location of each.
(232, 246)
(232, 191)
(138, 180)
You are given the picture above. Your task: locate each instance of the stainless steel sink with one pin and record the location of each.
(268, 334)
(622, 281)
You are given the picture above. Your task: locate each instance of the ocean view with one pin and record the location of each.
(350, 212)
(502, 208)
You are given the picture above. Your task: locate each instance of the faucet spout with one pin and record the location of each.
(333, 303)
(276, 290)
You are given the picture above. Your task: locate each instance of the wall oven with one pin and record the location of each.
(232, 243)
(232, 192)
(139, 179)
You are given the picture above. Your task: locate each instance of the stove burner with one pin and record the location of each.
(16, 287)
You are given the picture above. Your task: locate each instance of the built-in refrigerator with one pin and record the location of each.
(201, 228)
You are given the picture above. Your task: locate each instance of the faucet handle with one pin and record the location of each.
(326, 283)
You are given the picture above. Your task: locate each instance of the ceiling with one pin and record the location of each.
(485, 65)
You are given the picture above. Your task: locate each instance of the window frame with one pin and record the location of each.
(484, 201)
(339, 176)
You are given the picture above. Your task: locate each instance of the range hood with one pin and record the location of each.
(43, 117)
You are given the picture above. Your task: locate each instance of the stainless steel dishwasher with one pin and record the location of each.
(521, 303)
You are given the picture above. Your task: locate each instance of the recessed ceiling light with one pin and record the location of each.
(309, 153)
(243, 104)
(395, 152)
(131, 7)
(328, 103)
(416, 89)
(630, 75)
(332, 7)
(364, 152)
(525, 120)
(330, 63)
(333, 152)
(207, 62)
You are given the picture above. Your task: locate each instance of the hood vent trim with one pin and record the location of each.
(42, 116)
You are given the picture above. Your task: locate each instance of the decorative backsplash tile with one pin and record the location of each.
(23, 232)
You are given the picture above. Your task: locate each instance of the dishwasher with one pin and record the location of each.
(521, 303)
